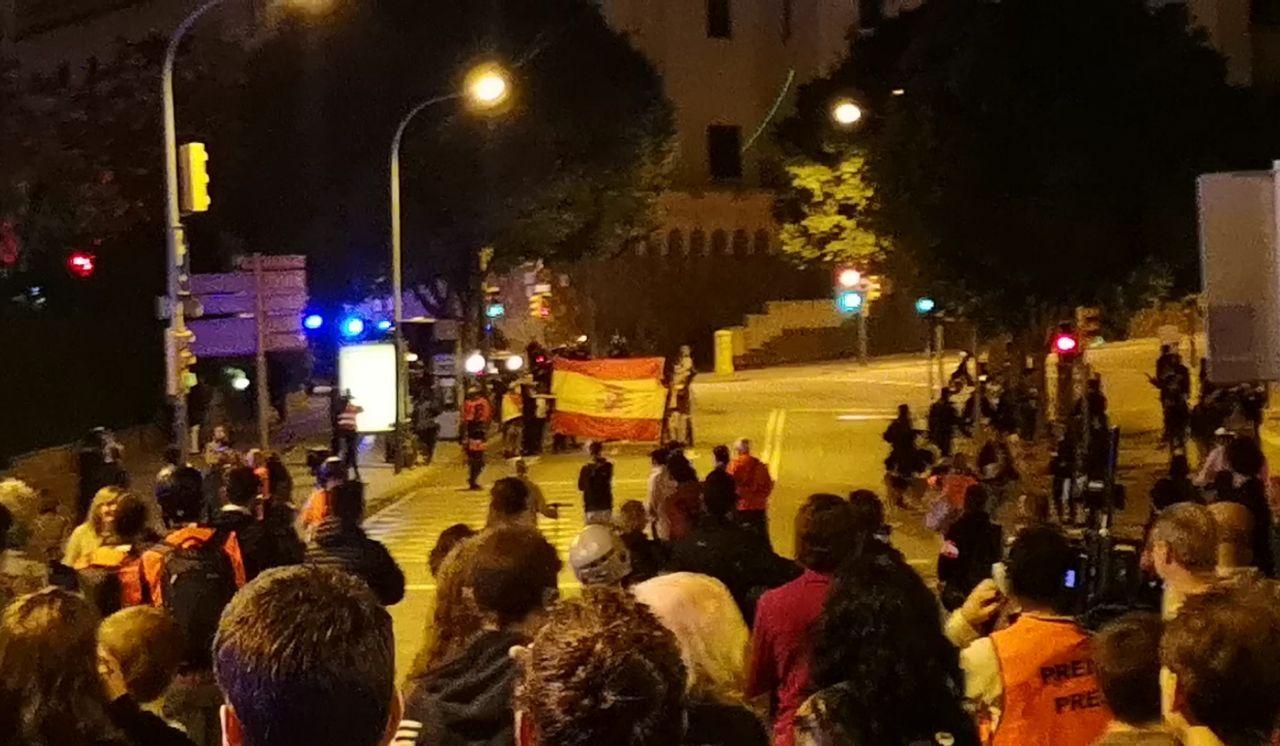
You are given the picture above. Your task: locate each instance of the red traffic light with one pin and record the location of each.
(1065, 344)
(82, 264)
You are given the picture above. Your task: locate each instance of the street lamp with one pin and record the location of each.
(177, 260)
(486, 87)
(846, 113)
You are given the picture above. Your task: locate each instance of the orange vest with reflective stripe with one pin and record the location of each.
(1051, 692)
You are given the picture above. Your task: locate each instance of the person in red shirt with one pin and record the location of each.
(754, 485)
(826, 532)
(476, 415)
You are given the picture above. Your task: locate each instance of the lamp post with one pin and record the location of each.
(486, 87)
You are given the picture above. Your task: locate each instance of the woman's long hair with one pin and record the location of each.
(880, 643)
(50, 694)
(457, 619)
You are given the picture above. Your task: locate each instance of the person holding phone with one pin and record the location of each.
(1034, 680)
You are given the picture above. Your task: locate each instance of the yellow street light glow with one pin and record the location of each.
(846, 112)
(488, 86)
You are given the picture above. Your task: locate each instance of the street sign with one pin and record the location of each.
(228, 326)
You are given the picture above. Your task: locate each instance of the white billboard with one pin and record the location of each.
(369, 372)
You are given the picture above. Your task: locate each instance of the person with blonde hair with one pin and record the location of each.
(701, 613)
(139, 651)
(88, 536)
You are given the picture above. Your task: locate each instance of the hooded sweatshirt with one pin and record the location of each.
(468, 700)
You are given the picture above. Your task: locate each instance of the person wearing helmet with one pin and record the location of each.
(331, 474)
(598, 556)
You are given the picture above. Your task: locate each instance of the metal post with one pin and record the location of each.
(862, 336)
(978, 394)
(178, 263)
(260, 316)
(940, 345)
(928, 361)
(397, 285)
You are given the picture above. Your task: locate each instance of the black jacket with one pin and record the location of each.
(736, 556)
(713, 724)
(970, 547)
(143, 728)
(347, 548)
(468, 700)
(596, 482)
(263, 544)
(718, 482)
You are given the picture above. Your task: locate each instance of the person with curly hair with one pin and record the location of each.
(885, 672)
(602, 670)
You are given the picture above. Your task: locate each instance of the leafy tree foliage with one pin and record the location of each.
(1028, 156)
(826, 218)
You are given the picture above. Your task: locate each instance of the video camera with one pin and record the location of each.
(1106, 579)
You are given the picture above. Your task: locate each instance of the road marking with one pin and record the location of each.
(767, 450)
(773, 456)
(863, 418)
(848, 410)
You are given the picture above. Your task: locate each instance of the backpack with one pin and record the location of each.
(198, 581)
(114, 579)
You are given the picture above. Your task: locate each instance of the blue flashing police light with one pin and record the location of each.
(495, 310)
(383, 325)
(925, 306)
(850, 301)
(352, 327)
(313, 321)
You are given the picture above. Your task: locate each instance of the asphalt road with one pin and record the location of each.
(818, 426)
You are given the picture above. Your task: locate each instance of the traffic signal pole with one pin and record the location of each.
(178, 262)
(862, 335)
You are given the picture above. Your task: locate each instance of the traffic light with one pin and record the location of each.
(850, 301)
(1065, 342)
(179, 360)
(925, 306)
(82, 264)
(193, 162)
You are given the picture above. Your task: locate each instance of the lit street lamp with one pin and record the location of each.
(485, 88)
(177, 260)
(846, 113)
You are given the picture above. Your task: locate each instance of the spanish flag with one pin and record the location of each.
(609, 399)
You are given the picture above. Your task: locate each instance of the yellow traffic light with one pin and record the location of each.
(193, 165)
(179, 360)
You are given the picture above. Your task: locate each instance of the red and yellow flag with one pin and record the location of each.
(619, 399)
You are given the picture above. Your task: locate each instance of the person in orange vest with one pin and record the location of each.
(754, 485)
(330, 475)
(1034, 681)
(477, 412)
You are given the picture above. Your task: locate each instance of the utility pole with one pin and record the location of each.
(260, 316)
(862, 336)
(939, 345)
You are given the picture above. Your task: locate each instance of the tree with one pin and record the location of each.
(825, 217)
(571, 168)
(1038, 154)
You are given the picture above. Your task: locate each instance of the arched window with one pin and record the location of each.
(741, 244)
(675, 243)
(761, 242)
(697, 242)
(719, 243)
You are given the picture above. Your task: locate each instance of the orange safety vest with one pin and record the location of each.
(153, 561)
(1051, 692)
(128, 567)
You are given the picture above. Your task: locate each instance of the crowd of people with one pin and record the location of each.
(216, 612)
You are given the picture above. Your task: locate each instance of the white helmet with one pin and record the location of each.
(598, 556)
